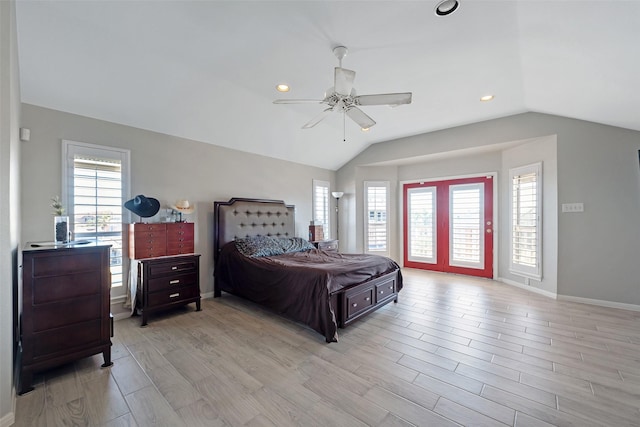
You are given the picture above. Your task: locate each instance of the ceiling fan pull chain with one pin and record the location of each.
(344, 126)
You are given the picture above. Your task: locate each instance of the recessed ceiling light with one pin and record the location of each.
(282, 87)
(446, 7)
(486, 98)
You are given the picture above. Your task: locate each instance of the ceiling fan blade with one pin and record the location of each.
(317, 119)
(343, 81)
(298, 101)
(358, 116)
(384, 99)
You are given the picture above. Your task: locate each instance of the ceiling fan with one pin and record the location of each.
(342, 97)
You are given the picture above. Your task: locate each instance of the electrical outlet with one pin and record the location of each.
(572, 207)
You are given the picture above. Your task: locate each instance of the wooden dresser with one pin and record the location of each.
(168, 271)
(167, 282)
(65, 307)
(160, 239)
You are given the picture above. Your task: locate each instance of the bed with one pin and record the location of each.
(325, 290)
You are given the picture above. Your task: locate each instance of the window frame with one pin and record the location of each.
(72, 148)
(326, 225)
(532, 272)
(387, 188)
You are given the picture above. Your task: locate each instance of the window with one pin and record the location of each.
(321, 206)
(95, 185)
(526, 220)
(376, 199)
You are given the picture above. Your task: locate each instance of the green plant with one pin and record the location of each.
(56, 204)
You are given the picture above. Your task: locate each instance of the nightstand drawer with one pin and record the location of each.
(326, 245)
(173, 296)
(175, 265)
(172, 282)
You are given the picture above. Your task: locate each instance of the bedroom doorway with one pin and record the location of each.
(448, 226)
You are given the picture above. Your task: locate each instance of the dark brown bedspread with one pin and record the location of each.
(298, 285)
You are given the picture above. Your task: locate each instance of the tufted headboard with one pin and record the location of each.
(239, 218)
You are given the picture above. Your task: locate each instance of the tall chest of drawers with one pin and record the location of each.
(65, 307)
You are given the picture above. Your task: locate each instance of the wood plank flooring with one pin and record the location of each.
(453, 351)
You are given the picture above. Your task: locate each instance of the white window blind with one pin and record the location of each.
(421, 218)
(376, 194)
(96, 187)
(526, 220)
(321, 206)
(466, 218)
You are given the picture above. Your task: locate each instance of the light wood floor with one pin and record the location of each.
(454, 350)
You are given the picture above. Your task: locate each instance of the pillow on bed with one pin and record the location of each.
(295, 244)
(258, 246)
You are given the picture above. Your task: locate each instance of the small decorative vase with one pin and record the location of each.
(61, 228)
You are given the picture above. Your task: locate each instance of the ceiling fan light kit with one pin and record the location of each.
(342, 97)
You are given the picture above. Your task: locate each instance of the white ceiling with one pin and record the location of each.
(207, 70)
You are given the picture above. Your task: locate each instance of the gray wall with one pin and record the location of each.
(165, 167)
(9, 202)
(596, 255)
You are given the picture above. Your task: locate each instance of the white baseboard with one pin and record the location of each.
(207, 295)
(7, 420)
(598, 302)
(10, 418)
(528, 288)
(120, 316)
(602, 303)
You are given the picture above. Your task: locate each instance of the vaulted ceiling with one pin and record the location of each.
(207, 70)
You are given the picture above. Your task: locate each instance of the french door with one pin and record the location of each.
(448, 226)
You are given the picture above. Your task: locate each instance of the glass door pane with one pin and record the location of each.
(466, 236)
(422, 232)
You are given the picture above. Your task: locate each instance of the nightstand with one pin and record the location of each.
(327, 245)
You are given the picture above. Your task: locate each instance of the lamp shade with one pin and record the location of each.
(337, 194)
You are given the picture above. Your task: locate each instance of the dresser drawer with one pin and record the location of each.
(57, 265)
(67, 312)
(359, 301)
(63, 287)
(149, 251)
(173, 296)
(180, 229)
(175, 265)
(67, 338)
(149, 228)
(180, 249)
(172, 282)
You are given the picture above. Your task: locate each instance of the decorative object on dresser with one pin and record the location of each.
(144, 207)
(316, 232)
(60, 221)
(326, 245)
(167, 282)
(183, 207)
(65, 306)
